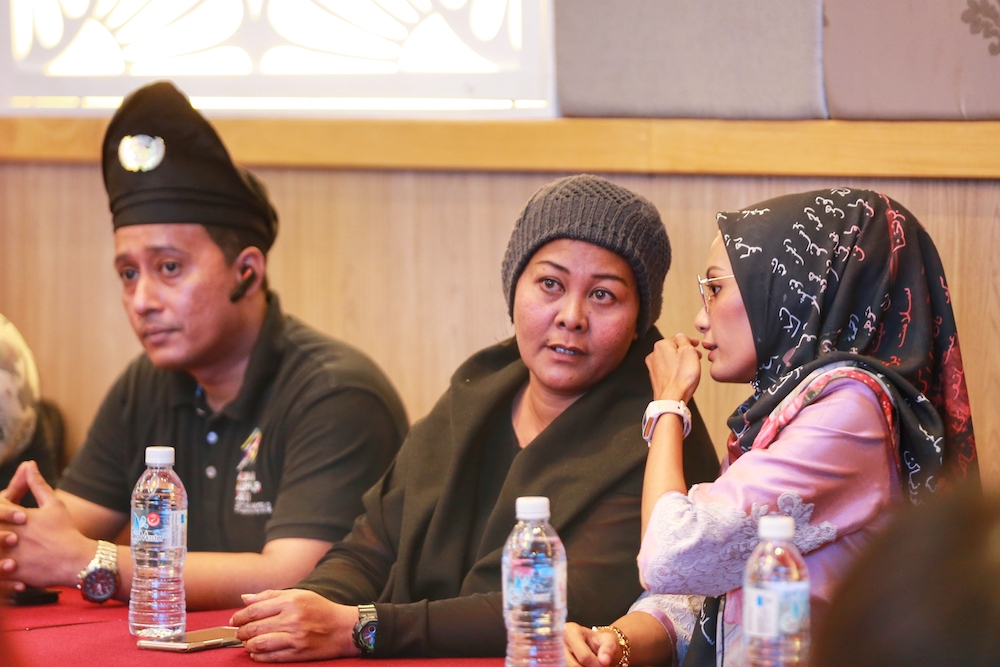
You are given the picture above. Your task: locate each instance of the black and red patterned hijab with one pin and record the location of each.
(850, 275)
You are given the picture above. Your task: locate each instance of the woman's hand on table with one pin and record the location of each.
(675, 368)
(588, 648)
(295, 625)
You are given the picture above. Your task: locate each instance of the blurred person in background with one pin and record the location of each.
(30, 428)
(925, 594)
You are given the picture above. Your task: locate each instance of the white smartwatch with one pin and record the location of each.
(657, 408)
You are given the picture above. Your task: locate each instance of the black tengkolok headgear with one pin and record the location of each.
(163, 162)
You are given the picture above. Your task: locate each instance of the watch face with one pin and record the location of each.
(367, 635)
(100, 584)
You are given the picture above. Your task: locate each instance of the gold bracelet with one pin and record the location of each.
(622, 642)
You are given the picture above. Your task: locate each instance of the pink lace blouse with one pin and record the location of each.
(832, 468)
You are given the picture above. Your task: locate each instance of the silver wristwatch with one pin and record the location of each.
(99, 580)
(366, 629)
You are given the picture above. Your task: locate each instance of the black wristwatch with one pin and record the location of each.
(366, 629)
(99, 580)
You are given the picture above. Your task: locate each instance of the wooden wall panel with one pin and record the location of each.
(911, 149)
(406, 265)
(58, 286)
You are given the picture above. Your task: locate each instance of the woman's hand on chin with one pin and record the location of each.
(675, 368)
(295, 625)
(587, 648)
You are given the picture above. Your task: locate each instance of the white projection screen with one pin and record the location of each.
(369, 58)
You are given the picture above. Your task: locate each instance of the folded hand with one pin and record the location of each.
(675, 368)
(38, 547)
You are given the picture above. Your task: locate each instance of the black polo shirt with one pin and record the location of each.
(314, 425)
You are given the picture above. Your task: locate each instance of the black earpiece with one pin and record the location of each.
(241, 287)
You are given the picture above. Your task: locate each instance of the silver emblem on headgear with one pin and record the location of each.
(141, 152)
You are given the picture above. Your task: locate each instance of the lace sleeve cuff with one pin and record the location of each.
(678, 615)
(702, 548)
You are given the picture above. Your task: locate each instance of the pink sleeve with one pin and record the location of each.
(831, 468)
(678, 614)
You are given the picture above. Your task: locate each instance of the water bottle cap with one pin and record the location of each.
(159, 456)
(532, 507)
(776, 527)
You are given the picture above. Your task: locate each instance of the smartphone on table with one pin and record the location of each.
(32, 596)
(196, 640)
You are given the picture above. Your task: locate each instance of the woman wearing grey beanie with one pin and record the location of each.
(554, 411)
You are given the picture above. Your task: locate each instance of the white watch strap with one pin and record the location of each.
(657, 408)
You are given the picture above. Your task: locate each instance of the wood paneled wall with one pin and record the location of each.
(406, 265)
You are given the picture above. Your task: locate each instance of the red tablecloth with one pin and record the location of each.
(81, 634)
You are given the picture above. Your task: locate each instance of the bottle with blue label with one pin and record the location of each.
(776, 598)
(534, 588)
(156, 607)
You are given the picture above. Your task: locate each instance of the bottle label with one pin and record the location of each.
(162, 528)
(782, 608)
(529, 584)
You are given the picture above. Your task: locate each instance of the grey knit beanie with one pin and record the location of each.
(590, 208)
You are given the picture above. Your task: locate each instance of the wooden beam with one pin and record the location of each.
(903, 149)
(51, 139)
(557, 145)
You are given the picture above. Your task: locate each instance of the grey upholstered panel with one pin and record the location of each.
(690, 58)
(909, 59)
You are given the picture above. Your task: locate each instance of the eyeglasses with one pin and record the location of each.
(708, 297)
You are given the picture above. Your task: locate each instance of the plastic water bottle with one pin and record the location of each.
(776, 598)
(156, 606)
(534, 588)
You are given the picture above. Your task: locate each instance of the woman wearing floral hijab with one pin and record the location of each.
(834, 306)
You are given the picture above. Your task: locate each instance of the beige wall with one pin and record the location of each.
(406, 264)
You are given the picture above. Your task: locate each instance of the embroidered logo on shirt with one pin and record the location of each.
(250, 447)
(246, 480)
